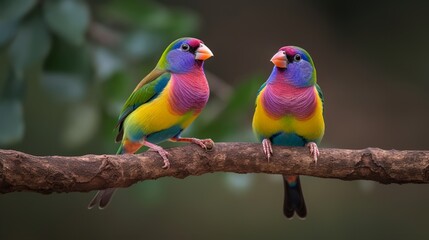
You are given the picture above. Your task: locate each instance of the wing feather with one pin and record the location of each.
(147, 90)
(320, 93)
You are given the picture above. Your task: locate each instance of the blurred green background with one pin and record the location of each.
(67, 66)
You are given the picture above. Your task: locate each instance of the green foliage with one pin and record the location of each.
(12, 10)
(11, 121)
(63, 86)
(80, 125)
(30, 45)
(81, 58)
(153, 17)
(7, 30)
(69, 19)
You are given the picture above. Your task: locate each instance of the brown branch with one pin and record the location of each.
(47, 174)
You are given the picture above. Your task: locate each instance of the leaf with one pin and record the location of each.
(12, 86)
(11, 10)
(7, 30)
(67, 71)
(65, 57)
(115, 91)
(65, 87)
(106, 63)
(67, 18)
(118, 86)
(4, 73)
(158, 18)
(132, 13)
(142, 44)
(183, 23)
(31, 45)
(11, 122)
(81, 125)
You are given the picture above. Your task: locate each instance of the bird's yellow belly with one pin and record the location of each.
(156, 116)
(310, 128)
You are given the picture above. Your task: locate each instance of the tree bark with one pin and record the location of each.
(46, 174)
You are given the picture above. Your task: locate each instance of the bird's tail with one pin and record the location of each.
(103, 197)
(294, 199)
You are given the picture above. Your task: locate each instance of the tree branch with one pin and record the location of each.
(47, 174)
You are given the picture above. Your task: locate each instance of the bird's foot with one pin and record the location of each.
(203, 143)
(161, 151)
(268, 149)
(164, 155)
(314, 150)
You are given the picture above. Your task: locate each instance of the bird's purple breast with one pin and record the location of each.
(189, 92)
(280, 99)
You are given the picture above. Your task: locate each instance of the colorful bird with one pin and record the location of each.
(163, 104)
(289, 112)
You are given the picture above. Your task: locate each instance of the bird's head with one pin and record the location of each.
(296, 64)
(183, 55)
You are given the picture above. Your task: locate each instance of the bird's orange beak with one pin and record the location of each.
(279, 59)
(203, 53)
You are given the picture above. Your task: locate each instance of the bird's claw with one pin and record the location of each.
(166, 164)
(203, 143)
(164, 155)
(268, 149)
(314, 150)
(161, 151)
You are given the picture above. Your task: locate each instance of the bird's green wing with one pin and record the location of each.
(146, 90)
(262, 87)
(319, 91)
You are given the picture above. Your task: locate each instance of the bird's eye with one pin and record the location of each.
(185, 47)
(297, 58)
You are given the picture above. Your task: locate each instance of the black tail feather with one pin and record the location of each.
(294, 199)
(102, 198)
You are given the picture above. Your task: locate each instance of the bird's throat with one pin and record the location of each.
(189, 92)
(281, 99)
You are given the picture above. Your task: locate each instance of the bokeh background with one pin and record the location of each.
(67, 66)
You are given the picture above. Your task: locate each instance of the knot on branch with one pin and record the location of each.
(370, 167)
